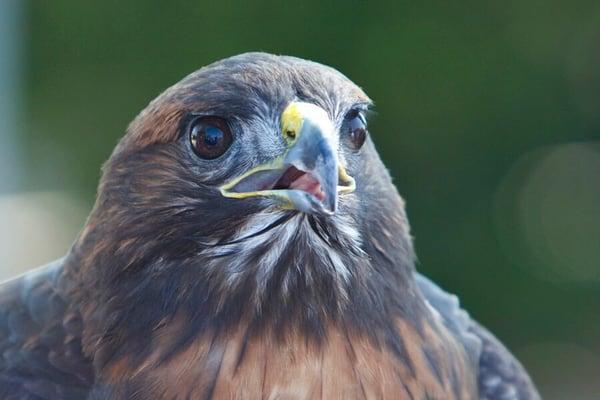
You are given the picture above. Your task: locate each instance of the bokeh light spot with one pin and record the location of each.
(548, 211)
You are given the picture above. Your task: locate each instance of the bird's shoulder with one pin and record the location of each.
(40, 340)
(500, 376)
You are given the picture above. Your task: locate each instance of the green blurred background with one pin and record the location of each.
(487, 114)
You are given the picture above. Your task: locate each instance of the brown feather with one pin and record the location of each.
(347, 365)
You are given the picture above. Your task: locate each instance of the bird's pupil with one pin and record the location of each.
(358, 131)
(212, 136)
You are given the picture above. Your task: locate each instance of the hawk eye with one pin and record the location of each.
(356, 130)
(210, 137)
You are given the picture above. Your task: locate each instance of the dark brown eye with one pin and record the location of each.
(356, 130)
(210, 137)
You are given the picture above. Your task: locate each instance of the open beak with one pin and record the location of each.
(308, 176)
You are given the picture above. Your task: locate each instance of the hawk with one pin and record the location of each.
(246, 243)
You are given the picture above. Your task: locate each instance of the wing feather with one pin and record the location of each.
(500, 376)
(41, 355)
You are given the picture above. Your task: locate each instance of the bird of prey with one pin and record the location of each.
(246, 243)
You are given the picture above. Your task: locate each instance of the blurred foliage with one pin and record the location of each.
(465, 93)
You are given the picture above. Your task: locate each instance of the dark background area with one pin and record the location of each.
(487, 114)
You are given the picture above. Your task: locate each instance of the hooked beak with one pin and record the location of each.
(308, 176)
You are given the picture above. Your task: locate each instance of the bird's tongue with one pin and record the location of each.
(307, 183)
(296, 179)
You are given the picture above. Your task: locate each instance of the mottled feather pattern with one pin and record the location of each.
(40, 341)
(499, 375)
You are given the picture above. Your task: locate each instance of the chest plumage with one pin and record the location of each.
(343, 365)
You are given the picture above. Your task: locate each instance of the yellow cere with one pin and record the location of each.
(291, 122)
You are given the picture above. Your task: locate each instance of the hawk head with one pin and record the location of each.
(249, 190)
